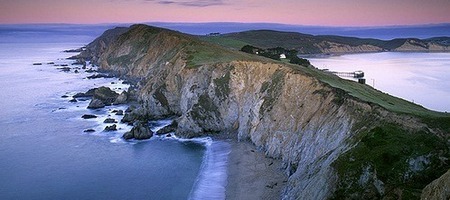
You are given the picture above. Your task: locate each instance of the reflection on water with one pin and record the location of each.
(422, 78)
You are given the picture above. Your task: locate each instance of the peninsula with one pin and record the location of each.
(335, 138)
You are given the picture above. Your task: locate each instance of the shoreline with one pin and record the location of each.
(252, 175)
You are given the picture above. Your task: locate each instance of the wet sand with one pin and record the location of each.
(251, 175)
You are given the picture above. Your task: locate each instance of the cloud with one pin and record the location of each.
(190, 3)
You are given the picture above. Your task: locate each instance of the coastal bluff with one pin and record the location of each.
(336, 138)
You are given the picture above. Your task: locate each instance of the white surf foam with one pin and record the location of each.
(212, 179)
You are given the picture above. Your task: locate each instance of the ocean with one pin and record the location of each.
(45, 153)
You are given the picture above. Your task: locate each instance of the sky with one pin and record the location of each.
(296, 12)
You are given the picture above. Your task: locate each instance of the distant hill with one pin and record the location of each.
(311, 44)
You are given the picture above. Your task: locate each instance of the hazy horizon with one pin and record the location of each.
(94, 30)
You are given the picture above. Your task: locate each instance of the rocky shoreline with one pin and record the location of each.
(314, 123)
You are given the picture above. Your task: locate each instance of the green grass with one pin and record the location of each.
(203, 53)
(225, 42)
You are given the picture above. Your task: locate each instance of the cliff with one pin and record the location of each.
(438, 189)
(336, 138)
(312, 44)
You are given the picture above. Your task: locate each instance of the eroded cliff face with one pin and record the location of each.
(284, 111)
(332, 47)
(413, 45)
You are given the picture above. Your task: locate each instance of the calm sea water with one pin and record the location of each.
(422, 78)
(44, 153)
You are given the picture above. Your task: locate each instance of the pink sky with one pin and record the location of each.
(300, 12)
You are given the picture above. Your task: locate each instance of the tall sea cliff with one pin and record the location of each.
(336, 138)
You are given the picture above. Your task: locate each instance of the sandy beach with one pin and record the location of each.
(251, 175)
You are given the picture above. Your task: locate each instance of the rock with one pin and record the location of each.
(73, 100)
(73, 50)
(76, 71)
(121, 99)
(438, 189)
(64, 69)
(140, 131)
(90, 70)
(84, 67)
(168, 129)
(130, 109)
(64, 96)
(96, 103)
(79, 95)
(88, 116)
(64, 65)
(95, 76)
(102, 97)
(50, 63)
(128, 118)
(110, 121)
(37, 63)
(111, 128)
(89, 130)
(128, 135)
(119, 112)
(89, 93)
(80, 62)
(106, 95)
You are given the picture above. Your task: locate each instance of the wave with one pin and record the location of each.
(212, 178)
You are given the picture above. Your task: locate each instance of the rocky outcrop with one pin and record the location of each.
(104, 96)
(140, 131)
(438, 189)
(293, 113)
(109, 121)
(96, 103)
(121, 99)
(168, 129)
(111, 128)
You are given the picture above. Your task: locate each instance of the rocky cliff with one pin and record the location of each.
(438, 189)
(316, 123)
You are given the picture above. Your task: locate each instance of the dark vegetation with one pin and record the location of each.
(389, 151)
(275, 54)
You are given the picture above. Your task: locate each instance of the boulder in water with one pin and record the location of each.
(96, 103)
(106, 95)
(88, 116)
(109, 121)
(168, 129)
(89, 130)
(140, 131)
(111, 128)
(119, 112)
(121, 99)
